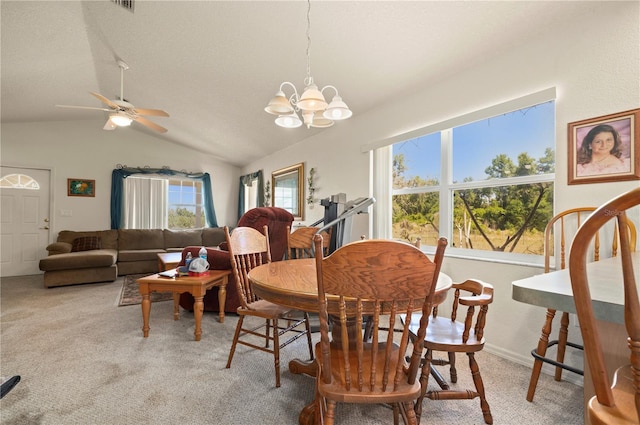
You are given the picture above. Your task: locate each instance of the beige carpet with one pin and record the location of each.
(83, 360)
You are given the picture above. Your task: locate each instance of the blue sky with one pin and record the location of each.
(530, 130)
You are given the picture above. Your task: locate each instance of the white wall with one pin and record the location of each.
(593, 61)
(81, 149)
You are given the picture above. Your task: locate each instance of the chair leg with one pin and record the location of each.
(276, 350)
(396, 414)
(329, 414)
(477, 381)
(266, 333)
(562, 343)
(424, 381)
(308, 327)
(236, 335)
(541, 350)
(411, 417)
(452, 367)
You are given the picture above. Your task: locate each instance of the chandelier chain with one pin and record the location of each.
(309, 79)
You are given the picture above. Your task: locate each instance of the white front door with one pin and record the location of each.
(24, 220)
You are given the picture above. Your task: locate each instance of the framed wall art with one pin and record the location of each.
(81, 187)
(605, 149)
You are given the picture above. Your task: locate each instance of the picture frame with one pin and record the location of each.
(81, 187)
(287, 190)
(604, 149)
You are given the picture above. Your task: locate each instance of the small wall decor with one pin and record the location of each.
(267, 194)
(605, 149)
(312, 189)
(81, 187)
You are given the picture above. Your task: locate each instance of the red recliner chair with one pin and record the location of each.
(278, 221)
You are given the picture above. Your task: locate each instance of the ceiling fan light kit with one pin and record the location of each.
(120, 119)
(313, 107)
(123, 113)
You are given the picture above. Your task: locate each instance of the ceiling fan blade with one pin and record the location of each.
(104, 100)
(151, 112)
(109, 125)
(150, 124)
(84, 107)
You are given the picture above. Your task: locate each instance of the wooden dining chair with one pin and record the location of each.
(620, 403)
(380, 279)
(558, 236)
(448, 335)
(248, 248)
(300, 242)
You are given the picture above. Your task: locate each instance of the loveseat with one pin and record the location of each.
(102, 256)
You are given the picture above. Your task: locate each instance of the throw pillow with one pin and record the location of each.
(86, 243)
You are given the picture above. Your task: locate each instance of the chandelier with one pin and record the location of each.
(311, 105)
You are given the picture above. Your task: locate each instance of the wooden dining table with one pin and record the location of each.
(293, 283)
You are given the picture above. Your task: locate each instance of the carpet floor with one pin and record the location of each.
(83, 360)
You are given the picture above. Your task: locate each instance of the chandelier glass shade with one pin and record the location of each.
(313, 107)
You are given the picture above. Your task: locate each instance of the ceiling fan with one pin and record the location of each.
(121, 112)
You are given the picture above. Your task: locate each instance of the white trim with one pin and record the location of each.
(502, 108)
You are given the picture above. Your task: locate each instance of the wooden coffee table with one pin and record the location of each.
(195, 285)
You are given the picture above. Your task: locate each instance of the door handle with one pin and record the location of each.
(45, 228)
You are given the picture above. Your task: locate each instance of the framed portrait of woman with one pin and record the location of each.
(605, 149)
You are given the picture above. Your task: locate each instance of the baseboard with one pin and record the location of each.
(527, 361)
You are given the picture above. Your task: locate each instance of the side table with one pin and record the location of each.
(195, 285)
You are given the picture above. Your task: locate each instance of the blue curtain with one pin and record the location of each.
(246, 180)
(117, 190)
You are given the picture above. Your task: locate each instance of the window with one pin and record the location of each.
(485, 185)
(19, 181)
(186, 209)
(158, 203)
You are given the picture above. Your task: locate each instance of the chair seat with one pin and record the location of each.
(623, 394)
(266, 309)
(336, 390)
(442, 333)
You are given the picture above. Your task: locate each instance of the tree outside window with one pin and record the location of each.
(496, 176)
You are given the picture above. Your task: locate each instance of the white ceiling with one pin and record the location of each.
(214, 65)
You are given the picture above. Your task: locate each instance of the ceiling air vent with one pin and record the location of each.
(127, 4)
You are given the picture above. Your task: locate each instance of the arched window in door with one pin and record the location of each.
(19, 181)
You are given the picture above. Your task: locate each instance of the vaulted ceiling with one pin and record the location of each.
(214, 65)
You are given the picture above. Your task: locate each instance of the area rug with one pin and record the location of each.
(130, 294)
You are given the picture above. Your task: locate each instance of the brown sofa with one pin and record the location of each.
(102, 256)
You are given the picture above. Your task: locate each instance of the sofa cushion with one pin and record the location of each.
(109, 238)
(212, 236)
(139, 255)
(80, 260)
(129, 239)
(182, 238)
(86, 243)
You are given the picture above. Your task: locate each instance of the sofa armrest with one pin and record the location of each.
(59, 248)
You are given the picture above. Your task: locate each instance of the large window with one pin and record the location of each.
(158, 203)
(484, 185)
